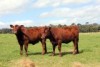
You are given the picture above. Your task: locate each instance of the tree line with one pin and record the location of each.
(84, 28)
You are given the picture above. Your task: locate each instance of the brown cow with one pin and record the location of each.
(26, 36)
(62, 35)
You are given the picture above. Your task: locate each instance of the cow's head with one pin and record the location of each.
(16, 28)
(46, 32)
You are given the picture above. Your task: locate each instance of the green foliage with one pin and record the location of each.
(5, 30)
(89, 28)
(83, 28)
(89, 47)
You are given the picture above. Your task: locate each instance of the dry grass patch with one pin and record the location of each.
(24, 62)
(78, 64)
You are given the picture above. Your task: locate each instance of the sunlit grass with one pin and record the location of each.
(89, 47)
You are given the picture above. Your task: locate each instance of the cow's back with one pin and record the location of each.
(75, 31)
(65, 34)
(34, 33)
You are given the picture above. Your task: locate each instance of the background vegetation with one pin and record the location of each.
(84, 28)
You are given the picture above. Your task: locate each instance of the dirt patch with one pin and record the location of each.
(24, 62)
(77, 64)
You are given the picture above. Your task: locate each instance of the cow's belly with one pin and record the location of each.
(34, 42)
(66, 40)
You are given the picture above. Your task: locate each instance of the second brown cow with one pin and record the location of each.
(58, 36)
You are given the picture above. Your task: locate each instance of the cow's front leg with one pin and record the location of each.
(26, 47)
(21, 49)
(44, 48)
(54, 46)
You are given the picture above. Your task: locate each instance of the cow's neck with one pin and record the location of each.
(19, 36)
(26, 33)
(51, 37)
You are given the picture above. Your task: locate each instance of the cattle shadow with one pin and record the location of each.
(38, 53)
(63, 53)
(67, 53)
(50, 53)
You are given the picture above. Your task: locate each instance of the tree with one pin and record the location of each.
(5, 30)
(87, 23)
(78, 24)
(73, 24)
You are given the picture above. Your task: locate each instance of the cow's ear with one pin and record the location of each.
(49, 28)
(11, 26)
(16, 25)
(21, 25)
(23, 29)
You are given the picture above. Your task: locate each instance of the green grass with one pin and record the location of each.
(89, 56)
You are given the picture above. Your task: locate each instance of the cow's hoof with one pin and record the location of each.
(21, 53)
(53, 54)
(75, 53)
(26, 54)
(43, 53)
(60, 55)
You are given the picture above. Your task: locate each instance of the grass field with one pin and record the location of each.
(89, 56)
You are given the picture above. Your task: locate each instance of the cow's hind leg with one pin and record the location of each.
(59, 48)
(75, 46)
(21, 49)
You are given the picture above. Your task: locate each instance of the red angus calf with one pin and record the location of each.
(58, 36)
(26, 36)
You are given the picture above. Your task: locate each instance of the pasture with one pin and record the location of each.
(89, 56)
